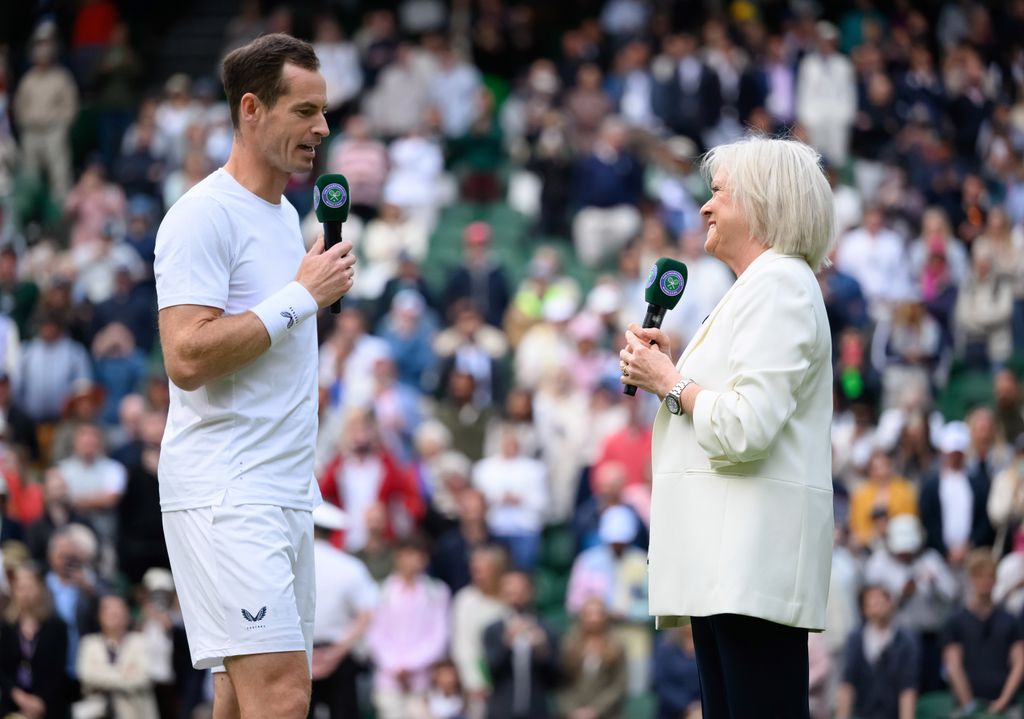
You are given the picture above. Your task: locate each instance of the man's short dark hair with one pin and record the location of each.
(256, 68)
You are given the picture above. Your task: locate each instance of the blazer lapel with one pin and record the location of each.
(702, 331)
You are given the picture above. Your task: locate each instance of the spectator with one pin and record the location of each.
(462, 416)
(630, 86)
(408, 633)
(616, 573)
(937, 237)
(984, 648)
(362, 473)
(50, 365)
(95, 482)
(676, 680)
(440, 475)
(96, 208)
(364, 161)
(471, 346)
(983, 316)
(880, 675)
(120, 368)
(445, 698)
(176, 685)
(453, 90)
(1006, 502)
(378, 553)
(953, 504)
(844, 301)
(1009, 406)
(340, 66)
(73, 585)
(33, 650)
(873, 255)
(515, 487)
(113, 665)
(474, 608)
(480, 278)
(58, 512)
(387, 237)
(587, 106)
(923, 587)
(688, 95)
(397, 103)
(345, 598)
(522, 655)
(826, 101)
(451, 562)
(141, 544)
(594, 666)
(409, 331)
(606, 187)
(44, 106)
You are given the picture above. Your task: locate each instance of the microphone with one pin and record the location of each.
(665, 284)
(331, 201)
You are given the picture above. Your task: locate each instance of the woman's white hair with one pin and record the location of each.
(782, 191)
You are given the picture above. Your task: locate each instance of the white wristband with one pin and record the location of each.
(285, 310)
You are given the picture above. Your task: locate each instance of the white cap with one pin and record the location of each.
(955, 437)
(604, 299)
(328, 516)
(903, 534)
(558, 308)
(618, 525)
(158, 579)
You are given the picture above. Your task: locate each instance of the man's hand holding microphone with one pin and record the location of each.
(328, 269)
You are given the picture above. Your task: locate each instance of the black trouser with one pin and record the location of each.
(751, 668)
(338, 691)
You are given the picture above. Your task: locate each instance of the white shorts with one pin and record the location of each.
(244, 578)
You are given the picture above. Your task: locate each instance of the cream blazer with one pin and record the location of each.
(741, 506)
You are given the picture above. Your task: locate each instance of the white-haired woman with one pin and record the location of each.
(741, 512)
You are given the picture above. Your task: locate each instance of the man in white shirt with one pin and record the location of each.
(517, 495)
(875, 256)
(237, 295)
(95, 482)
(953, 502)
(345, 597)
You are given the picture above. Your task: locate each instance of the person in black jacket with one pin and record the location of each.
(480, 277)
(522, 655)
(33, 651)
(953, 502)
(881, 661)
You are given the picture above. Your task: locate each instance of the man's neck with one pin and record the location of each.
(981, 606)
(252, 172)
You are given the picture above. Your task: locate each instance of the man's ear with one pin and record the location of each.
(249, 108)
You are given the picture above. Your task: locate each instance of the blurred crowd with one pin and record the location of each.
(481, 552)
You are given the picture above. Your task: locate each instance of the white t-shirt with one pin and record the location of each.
(344, 590)
(253, 431)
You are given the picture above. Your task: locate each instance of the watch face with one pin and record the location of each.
(673, 404)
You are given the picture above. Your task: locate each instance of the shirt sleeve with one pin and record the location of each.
(766, 370)
(194, 254)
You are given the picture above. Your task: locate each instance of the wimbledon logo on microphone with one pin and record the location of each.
(652, 275)
(334, 195)
(671, 283)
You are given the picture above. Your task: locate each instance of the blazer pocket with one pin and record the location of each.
(761, 535)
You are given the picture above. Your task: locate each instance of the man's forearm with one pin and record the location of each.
(961, 686)
(217, 347)
(908, 703)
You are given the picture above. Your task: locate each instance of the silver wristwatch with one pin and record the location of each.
(672, 402)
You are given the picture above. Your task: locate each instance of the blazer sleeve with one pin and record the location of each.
(774, 339)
